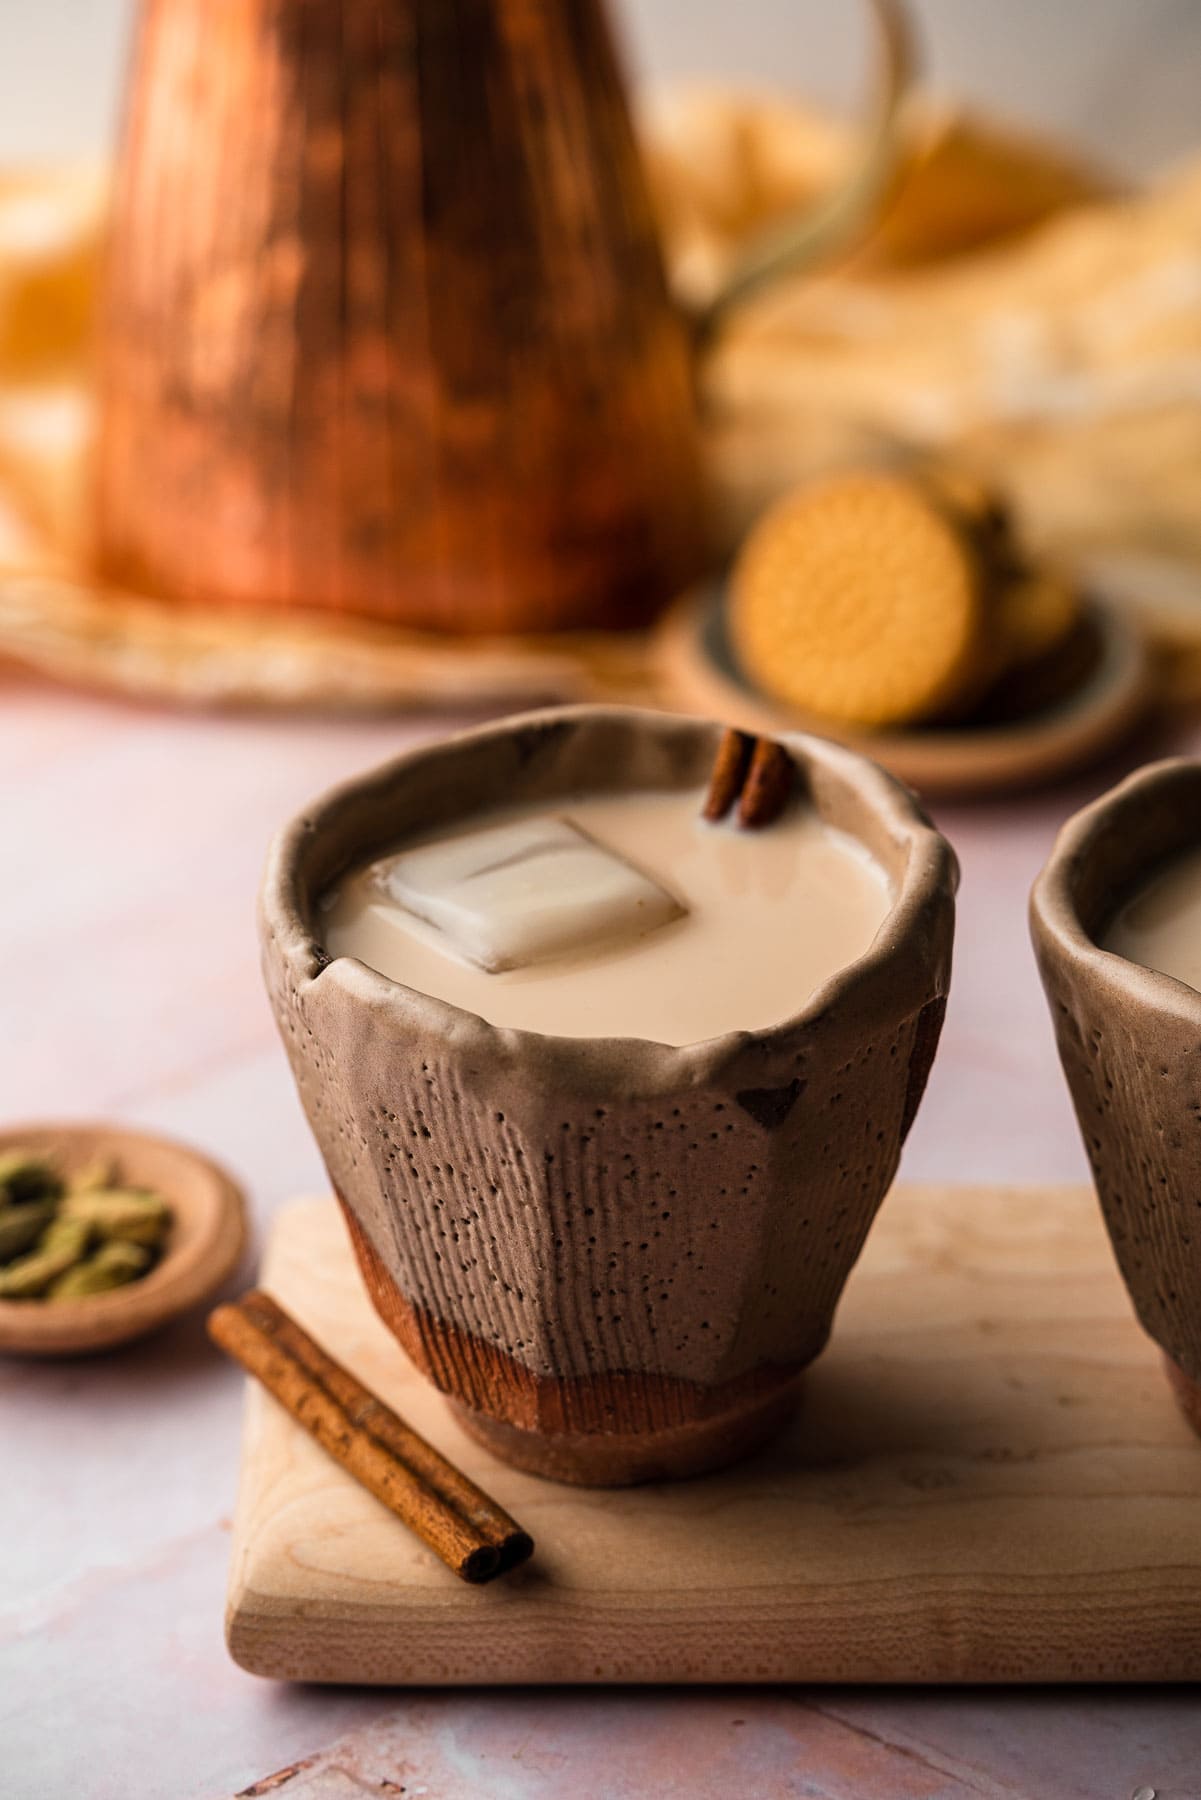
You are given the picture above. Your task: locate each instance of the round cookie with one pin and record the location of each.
(860, 598)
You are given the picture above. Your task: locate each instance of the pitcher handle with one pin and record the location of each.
(813, 234)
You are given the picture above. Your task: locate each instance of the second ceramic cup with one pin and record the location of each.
(1130, 1043)
(615, 1255)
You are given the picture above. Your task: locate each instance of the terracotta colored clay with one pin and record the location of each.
(386, 330)
(616, 1256)
(1130, 1042)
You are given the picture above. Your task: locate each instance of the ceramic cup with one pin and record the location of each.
(1130, 1042)
(519, 1204)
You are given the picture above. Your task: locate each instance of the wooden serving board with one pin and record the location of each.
(988, 1481)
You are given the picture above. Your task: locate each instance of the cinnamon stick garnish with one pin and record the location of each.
(756, 772)
(461, 1523)
(730, 767)
(767, 786)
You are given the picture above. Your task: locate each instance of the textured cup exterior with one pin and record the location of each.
(606, 1236)
(1130, 1042)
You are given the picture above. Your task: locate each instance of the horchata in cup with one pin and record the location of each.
(610, 1090)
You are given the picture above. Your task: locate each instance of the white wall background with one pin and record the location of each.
(1122, 76)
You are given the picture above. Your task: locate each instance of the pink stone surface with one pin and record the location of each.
(132, 842)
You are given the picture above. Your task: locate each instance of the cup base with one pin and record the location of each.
(1187, 1392)
(622, 1459)
(558, 1438)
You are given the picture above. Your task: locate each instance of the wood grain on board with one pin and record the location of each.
(987, 1481)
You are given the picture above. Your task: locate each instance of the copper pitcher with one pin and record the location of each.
(386, 328)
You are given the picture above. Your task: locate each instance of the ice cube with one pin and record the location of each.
(524, 892)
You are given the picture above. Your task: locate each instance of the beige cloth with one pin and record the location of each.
(51, 231)
(1010, 310)
(1046, 331)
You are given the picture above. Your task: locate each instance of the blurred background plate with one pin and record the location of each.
(701, 674)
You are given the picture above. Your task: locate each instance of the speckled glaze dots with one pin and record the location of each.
(615, 1256)
(1130, 1043)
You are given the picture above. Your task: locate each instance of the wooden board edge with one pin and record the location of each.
(717, 1648)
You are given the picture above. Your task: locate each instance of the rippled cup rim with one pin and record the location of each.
(1108, 824)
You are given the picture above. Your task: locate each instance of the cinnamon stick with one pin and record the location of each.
(756, 772)
(460, 1522)
(768, 785)
(730, 767)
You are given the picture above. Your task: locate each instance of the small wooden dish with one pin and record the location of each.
(206, 1241)
(699, 672)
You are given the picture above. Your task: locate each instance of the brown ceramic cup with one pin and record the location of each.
(1130, 1042)
(615, 1256)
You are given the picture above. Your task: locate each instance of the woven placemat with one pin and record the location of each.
(57, 624)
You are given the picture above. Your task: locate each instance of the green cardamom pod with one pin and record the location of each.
(94, 1176)
(24, 1176)
(113, 1266)
(61, 1246)
(22, 1225)
(133, 1214)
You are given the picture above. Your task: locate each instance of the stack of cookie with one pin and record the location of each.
(878, 599)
